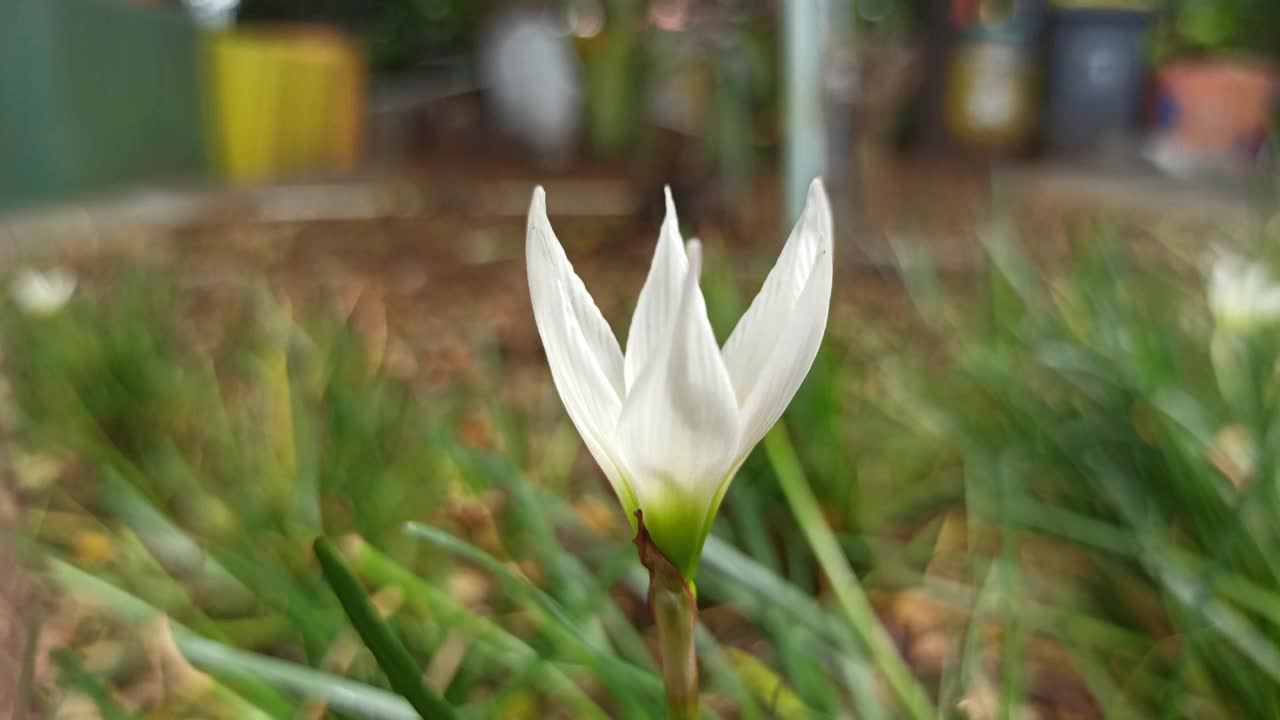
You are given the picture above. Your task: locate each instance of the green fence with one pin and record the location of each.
(95, 94)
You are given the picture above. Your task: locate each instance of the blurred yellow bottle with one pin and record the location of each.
(285, 102)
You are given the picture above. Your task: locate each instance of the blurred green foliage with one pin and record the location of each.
(1249, 28)
(1072, 471)
(396, 34)
(199, 457)
(1103, 416)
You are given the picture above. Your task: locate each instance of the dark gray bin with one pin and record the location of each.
(1097, 73)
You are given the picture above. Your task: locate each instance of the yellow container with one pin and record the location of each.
(285, 102)
(992, 96)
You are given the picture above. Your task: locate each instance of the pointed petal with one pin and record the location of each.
(1268, 304)
(586, 363)
(595, 330)
(659, 299)
(771, 349)
(789, 334)
(679, 427)
(795, 347)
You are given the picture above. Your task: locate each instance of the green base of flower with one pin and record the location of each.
(675, 611)
(675, 527)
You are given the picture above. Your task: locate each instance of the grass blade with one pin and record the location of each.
(392, 657)
(340, 694)
(502, 646)
(617, 672)
(853, 600)
(252, 698)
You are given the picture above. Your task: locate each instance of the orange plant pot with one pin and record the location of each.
(1216, 111)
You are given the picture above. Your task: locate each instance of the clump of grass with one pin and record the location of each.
(1063, 500)
(1118, 468)
(198, 463)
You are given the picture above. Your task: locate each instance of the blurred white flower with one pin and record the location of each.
(533, 80)
(1242, 294)
(43, 293)
(213, 14)
(672, 419)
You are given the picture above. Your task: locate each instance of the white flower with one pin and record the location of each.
(1242, 295)
(672, 419)
(43, 293)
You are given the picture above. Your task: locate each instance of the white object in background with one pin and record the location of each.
(671, 420)
(1174, 157)
(1242, 294)
(213, 14)
(534, 81)
(43, 293)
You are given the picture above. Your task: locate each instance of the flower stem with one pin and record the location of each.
(675, 611)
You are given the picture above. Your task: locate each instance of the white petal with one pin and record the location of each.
(595, 330)
(791, 341)
(795, 347)
(1253, 280)
(659, 299)
(773, 345)
(1267, 305)
(679, 426)
(586, 363)
(1221, 282)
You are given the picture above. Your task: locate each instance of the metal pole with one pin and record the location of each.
(805, 146)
